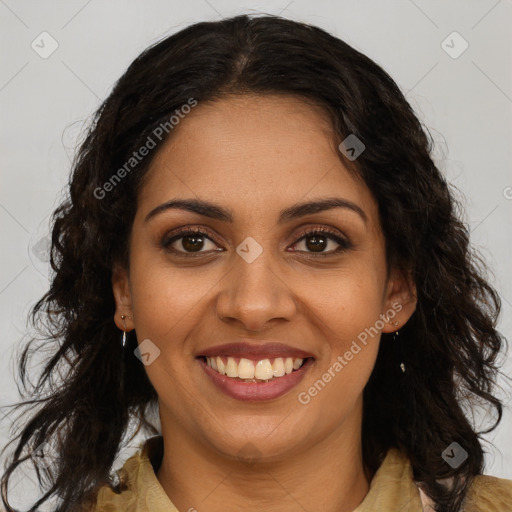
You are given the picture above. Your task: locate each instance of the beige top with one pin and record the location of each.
(391, 490)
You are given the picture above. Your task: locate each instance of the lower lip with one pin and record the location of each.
(256, 391)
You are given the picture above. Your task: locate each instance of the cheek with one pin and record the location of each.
(166, 300)
(346, 309)
(168, 305)
(347, 301)
(347, 316)
(351, 325)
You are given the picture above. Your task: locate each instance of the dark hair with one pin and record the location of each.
(450, 345)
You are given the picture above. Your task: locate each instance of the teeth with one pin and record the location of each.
(249, 370)
(245, 369)
(278, 367)
(231, 368)
(263, 370)
(220, 365)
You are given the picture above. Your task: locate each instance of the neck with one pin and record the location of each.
(328, 476)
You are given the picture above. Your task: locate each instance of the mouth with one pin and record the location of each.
(254, 370)
(254, 380)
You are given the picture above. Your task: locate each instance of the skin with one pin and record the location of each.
(257, 155)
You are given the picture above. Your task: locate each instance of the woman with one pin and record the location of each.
(257, 240)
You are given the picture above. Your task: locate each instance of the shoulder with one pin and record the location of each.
(489, 494)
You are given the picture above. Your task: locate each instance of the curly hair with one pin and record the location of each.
(85, 400)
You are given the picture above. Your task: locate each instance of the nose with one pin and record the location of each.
(255, 295)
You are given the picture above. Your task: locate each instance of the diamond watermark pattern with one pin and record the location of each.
(454, 455)
(147, 352)
(41, 249)
(249, 249)
(454, 45)
(44, 45)
(352, 147)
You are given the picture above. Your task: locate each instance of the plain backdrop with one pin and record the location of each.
(451, 58)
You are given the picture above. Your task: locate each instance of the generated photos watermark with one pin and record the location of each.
(158, 134)
(304, 397)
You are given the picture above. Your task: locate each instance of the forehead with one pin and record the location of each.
(255, 151)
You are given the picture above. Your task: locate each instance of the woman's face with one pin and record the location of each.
(252, 279)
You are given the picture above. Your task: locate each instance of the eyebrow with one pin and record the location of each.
(214, 211)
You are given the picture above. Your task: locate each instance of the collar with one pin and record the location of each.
(392, 487)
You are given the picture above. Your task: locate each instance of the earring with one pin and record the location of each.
(397, 344)
(122, 363)
(123, 342)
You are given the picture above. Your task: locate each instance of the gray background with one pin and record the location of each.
(466, 102)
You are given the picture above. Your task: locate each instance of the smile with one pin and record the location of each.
(248, 370)
(254, 380)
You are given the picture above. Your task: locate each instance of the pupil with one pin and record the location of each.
(316, 243)
(192, 242)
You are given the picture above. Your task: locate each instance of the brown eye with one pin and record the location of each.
(316, 243)
(321, 241)
(190, 241)
(193, 243)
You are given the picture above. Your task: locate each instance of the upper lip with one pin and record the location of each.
(255, 349)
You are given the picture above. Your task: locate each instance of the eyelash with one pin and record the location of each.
(323, 231)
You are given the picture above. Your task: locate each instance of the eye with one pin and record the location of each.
(321, 241)
(189, 241)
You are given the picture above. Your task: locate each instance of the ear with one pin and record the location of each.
(123, 298)
(400, 300)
